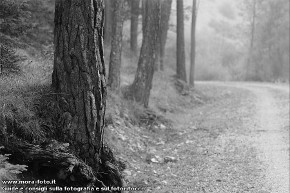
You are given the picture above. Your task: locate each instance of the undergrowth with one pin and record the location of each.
(9, 60)
(9, 171)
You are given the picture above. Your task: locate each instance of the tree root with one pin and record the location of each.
(53, 160)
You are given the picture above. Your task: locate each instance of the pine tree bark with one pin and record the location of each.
(180, 52)
(135, 11)
(79, 79)
(165, 16)
(142, 84)
(116, 45)
(192, 53)
(108, 22)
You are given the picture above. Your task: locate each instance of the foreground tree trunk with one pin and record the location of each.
(116, 45)
(142, 84)
(192, 53)
(165, 16)
(79, 77)
(135, 11)
(180, 52)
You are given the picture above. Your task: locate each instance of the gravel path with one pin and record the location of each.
(237, 141)
(269, 132)
(272, 138)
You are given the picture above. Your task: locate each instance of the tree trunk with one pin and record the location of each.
(135, 11)
(251, 49)
(192, 53)
(79, 77)
(1, 59)
(108, 22)
(165, 16)
(180, 52)
(142, 84)
(116, 46)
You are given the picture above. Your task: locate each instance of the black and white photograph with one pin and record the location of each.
(144, 96)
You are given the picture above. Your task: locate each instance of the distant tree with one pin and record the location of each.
(180, 52)
(165, 16)
(192, 53)
(108, 22)
(271, 51)
(116, 45)
(141, 87)
(135, 11)
(267, 26)
(252, 36)
(79, 82)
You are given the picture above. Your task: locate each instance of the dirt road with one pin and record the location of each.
(272, 138)
(225, 138)
(269, 132)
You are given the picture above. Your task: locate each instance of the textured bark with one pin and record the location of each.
(180, 52)
(192, 53)
(165, 16)
(79, 75)
(80, 84)
(135, 11)
(116, 45)
(143, 10)
(108, 22)
(143, 79)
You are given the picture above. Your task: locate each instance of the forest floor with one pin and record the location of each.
(220, 137)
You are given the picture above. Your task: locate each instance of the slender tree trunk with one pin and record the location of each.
(108, 22)
(252, 38)
(1, 59)
(79, 77)
(116, 46)
(180, 53)
(142, 84)
(135, 11)
(165, 16)
(192, 53)
(143, 11)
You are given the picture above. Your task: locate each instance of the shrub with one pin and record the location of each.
(14, 17)
(9, 60)
(9, 171)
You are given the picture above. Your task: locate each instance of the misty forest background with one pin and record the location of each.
(153, 56)
(237, 40)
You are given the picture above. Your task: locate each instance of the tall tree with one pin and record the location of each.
(180, 52)
(165, 16)
(192, 53)
(135, 11)
(252, 36)
(116, 45)
(108, 22)
(141, 87)
(270, 52)
(250, 10)
(79, 78)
